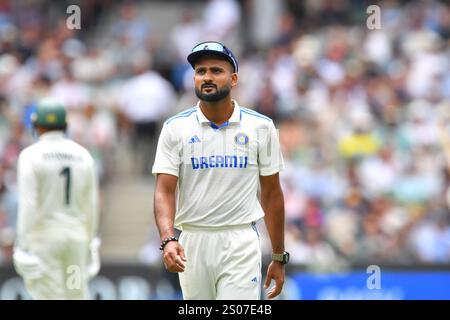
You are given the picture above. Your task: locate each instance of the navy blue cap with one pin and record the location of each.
(212, 48)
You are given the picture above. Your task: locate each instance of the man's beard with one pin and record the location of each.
(219, 94)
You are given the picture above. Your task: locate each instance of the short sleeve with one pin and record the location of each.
(168, 158)
(270, 159)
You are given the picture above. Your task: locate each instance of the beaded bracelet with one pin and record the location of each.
(166, 241)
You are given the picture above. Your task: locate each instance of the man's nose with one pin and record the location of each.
(207, 77)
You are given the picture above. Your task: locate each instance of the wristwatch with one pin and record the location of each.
(281, 257)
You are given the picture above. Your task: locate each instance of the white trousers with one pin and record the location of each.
(63, 273)
(221, 264)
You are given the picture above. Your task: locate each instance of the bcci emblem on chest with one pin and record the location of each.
(241, 139)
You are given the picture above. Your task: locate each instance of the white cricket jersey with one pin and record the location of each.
(218, 168)
(57, 189)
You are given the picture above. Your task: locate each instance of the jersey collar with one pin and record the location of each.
(50, 135)
(235, 117)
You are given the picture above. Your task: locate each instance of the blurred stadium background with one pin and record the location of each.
(366, 175)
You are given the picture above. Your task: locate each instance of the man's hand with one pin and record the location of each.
(275, 271)
(174, 258)
(27, 264)
(93, 266)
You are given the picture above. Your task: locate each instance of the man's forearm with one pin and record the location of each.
(273, 206)
(164, 205)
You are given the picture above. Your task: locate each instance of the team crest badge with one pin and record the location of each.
(241, 139)
(51, 118)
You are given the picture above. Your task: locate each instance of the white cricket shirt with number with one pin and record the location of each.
(218, 168)
(57, 189)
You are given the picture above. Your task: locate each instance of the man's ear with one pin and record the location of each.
(234, 79)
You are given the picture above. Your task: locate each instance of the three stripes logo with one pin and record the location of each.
(194, 139)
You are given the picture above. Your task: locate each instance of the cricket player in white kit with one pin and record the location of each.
(218, 153)
(56, 249)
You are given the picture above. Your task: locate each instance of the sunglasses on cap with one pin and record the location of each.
(212, 47)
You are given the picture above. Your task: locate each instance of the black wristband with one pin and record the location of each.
(166, 241)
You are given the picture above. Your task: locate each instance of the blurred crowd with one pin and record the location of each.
(366, 175)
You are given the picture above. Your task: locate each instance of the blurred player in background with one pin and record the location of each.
(56, 249)
(219, 153)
